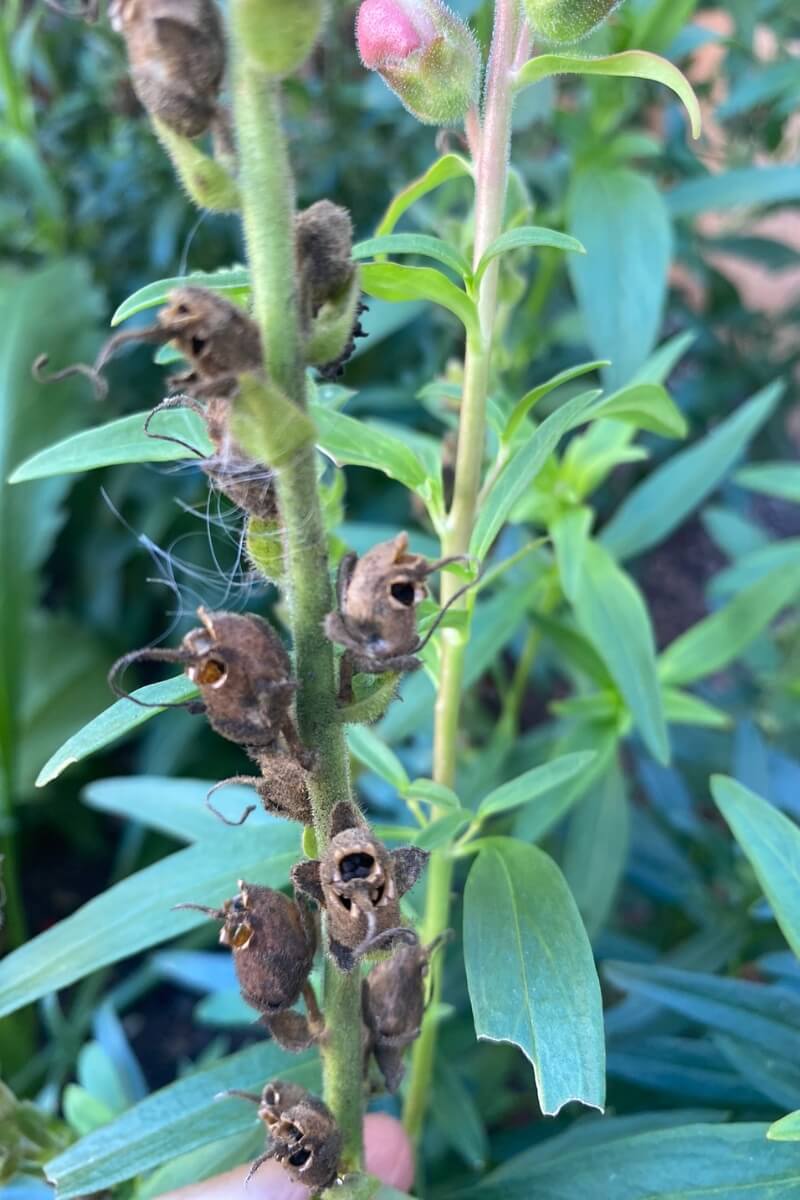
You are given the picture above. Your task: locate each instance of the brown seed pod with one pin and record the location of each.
(176, 53)
(378, 596)
(303, 1136)
(359, 884)
(273, 939)
(282, 787)
(324, 244)
(393, 1005)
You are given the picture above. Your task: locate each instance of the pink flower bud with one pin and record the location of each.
(424, 52)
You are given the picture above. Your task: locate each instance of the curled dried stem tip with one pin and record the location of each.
(152, 333)
(177, 401)
(217, 913)
(245, 780)
(88, 372)
(149, 655)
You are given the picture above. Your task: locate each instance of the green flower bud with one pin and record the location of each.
(279, 35)
(425, 53)
(567, 20)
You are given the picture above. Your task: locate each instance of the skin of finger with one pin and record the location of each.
(388, 1156)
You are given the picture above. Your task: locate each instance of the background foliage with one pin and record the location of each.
(697, 249)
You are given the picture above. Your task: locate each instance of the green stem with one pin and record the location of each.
(268, 208)
(491, 181)
(16, 115)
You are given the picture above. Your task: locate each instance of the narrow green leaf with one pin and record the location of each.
(690, 1162)
(376, 756)
(771, 842)
(174, 806)
(522, 468)
(235, 283)
(444, 830)
(658, 505)
(531, 398)
(455, 1113)
(531, 974)
(390, 281)
(179, 1118)
(121, 441)
(570, 534)
(636, 64)
(601, 819)
(138, 912)
(534, 783)
(351, 442)
(742, 188)
(449, 166)
(785, 1130)
(415, 243)
(427, 791)
(526, 236)
(610, 610)
(646, 405)
(719, 639)
(773, 479)
(682, 708)
(115, 722)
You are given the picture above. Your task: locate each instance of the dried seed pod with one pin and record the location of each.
(303, 1136)
(282, 787)
(393, 1004)
(324, 246)
(243, 672)
(176, 53)
(359, 884)
(378, 596)
(273, 939)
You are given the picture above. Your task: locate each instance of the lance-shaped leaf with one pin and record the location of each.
(415, 243)
(233, 283)
(531, 975)
(391, 281)
(527, 236)
(449, 166)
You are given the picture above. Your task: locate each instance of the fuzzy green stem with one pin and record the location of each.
(491, 182)
(268, 208)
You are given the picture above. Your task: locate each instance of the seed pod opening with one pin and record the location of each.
(303, 1136)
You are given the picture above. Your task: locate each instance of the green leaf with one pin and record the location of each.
(531, 398)
(634, 64)
(620, 217)
(415, 243)
(525, 236)
(532, 784)
(351, 442)
(719, 639)
(610, 610)
(443, 830)
(449, 166)
(773, 479)
(137, 913)
(120, 441)
(522, 468)
(646, 405)
(115, 722)
(785, 1130)
(690, 1162)
(456, 1115)
(570, 534)
(179, 1118)
(771, 842)
(601, 819)
(744, 187)
(652, 510)
(173, 806)
(427, 791)
(376, 756)
(531, 974)
(234, 283)
(535, 821)
(390, 281)
(681, 708)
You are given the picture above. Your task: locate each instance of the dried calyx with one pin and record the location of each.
(393, 1005)
(273, 939)
(329, 287)
(303, 1136)
(177, 56)
(245, 680)
(359, 884)
(378, 596)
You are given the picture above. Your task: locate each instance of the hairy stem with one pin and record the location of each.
(267, 193)
(491, 181)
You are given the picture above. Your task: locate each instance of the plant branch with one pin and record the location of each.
(491, 181)
(268, 208)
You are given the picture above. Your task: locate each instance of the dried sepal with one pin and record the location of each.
(303, 1136)
(324, 247)
(393, 1005)
(282, 788)
(273, 941)
(359, 883)
(176, 53)
(378, 596)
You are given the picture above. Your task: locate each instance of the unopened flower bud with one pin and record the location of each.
(425, 53)
(279, 35)
(567, 20)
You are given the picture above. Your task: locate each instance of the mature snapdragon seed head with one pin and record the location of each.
(425, 53)
(567, 20)
(303, 1135)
